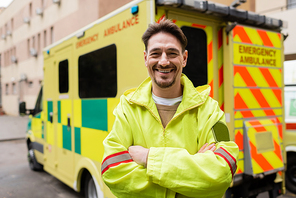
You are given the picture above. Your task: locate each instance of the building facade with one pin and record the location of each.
(26, 27)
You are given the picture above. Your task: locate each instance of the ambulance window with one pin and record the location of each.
(64, 76)
(98, 73)
(197, 67)
(38, 105)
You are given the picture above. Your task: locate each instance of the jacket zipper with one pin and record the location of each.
(183, 112)
(159, 121)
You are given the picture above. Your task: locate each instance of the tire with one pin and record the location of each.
(90, 187)
(291, 173)
(33, 164)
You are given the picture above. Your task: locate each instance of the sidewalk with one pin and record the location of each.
(12, 127)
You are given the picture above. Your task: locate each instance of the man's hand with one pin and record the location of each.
(207, 147)
(139, 154)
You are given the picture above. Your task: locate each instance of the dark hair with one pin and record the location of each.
(166, 26)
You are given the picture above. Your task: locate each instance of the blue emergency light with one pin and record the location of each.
(135, 9)
(47, 51)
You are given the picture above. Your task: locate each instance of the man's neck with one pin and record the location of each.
(171, 92)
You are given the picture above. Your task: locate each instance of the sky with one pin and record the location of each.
(5, 3)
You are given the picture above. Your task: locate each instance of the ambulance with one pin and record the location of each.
(237, 52)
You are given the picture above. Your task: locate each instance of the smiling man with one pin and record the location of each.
(169, 139)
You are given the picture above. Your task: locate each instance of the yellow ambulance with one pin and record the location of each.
(238, 53)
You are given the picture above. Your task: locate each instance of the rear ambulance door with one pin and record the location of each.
(64, 133)
(253, 97)
(203, 62)
(49, 107)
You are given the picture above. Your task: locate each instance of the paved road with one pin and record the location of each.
(17, 180)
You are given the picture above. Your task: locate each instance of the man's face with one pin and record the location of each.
(164, 60)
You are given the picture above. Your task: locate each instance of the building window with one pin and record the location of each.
(13, 88)
(30, 84)
(28, 47)
(38, 44)
(6, 89)
(44, 39)
(64, 76)
(291, 4)
(8, 55)
(30, 9)
(51, 35)
(7, 59)
(11, 25)
(6, 28)
(197, 63)
(98, 73)
(33, 43)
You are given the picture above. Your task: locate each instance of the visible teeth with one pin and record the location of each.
(164, 71)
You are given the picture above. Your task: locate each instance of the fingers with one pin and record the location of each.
(139, 154)
(207, 147)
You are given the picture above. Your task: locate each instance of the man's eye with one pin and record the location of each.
(154, 54)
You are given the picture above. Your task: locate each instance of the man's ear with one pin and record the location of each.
(185, 57)
(145, 57)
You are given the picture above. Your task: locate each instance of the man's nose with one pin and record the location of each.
(164, 61)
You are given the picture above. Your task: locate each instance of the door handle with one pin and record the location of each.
(51, 117)
(68, 123)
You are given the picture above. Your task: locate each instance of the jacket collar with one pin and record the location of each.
(192, 97)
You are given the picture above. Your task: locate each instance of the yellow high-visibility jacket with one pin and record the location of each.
(174, 168)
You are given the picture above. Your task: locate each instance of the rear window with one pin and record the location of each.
(197, 64)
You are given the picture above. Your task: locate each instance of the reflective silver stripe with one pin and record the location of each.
(228, 158)
(115, 159)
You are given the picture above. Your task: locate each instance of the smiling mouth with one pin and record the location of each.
(164, 71)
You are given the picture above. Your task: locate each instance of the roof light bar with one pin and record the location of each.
(228, 13)
(169, 2)
(218, 9)
(254, 18)
(201, 5)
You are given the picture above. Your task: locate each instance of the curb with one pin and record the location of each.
(12, 139)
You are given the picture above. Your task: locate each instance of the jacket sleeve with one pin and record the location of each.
(201, 175)
(121, 174)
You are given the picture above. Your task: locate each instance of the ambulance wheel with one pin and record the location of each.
(90, 187)
(34, 165)
(291, 173)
